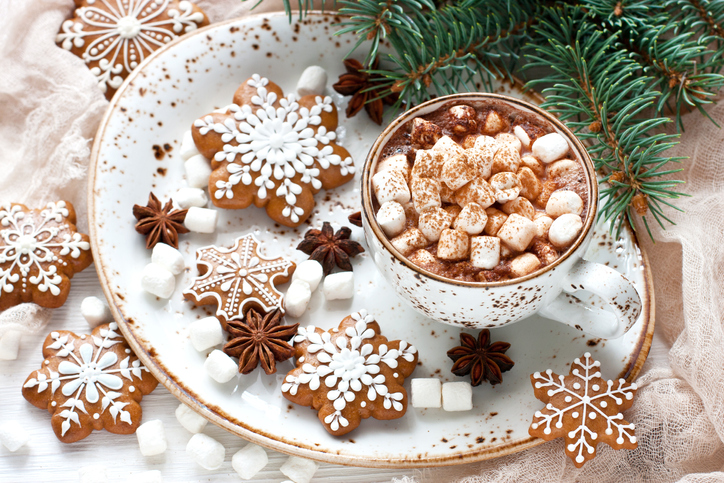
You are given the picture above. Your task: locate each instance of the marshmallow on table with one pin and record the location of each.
(457, 396)
(453, 245)
(477, 191)
(206, 333)
(472, 219)
(188, 147)
(510, 139)
(312, 81)
(564, 168)
(522, 136)
(198, 171)
(187, 197)
(425, 194)
(428, 164)
(95, 311)
(521, 206)
(432, 222)
(562, 202)
(310, 271)
(220, 367)
(206, 451)
(299, 470)
(338, 286)
(550, 147)
(249, 461)
(297, 298)
(201, 220)
(517, 232)
(524, 264)
(10, 345)
(390, 185)
(456, 172)
(496, 219)
(542, 224)
(391, 218)
(505, 185)
(506, 159)
(92, 474)
(151, 476)
(192, 421)
(168, 257)
(565, 229)
(409, 241)
(426, 392)
(485, 252)
(152, 438)
(530, 185)
(397, 162)
(158, 280)
(13, 435)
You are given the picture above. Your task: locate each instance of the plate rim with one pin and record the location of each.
(278, 443)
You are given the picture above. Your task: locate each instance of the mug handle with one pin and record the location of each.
(615, 289)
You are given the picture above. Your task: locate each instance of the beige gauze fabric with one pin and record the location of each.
(50, 108)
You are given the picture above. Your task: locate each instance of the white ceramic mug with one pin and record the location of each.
(494, 304)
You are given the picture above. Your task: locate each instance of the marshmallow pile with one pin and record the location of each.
(483, 200)
(305, 280)
(159, 277)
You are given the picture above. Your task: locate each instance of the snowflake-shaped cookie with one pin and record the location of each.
(114, 36)
(40, 251)
(350, 373)
(89, 382)
(584, 409)
(272, 151)
(238, 278)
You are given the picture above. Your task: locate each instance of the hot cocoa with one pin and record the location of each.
(480, 192)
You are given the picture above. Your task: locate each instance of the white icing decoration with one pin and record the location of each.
(123, 33)
(27, 245)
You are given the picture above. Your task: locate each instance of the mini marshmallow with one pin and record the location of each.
(506, 159)
(482, 141)
(188, 147)
(422, 257)
(509, 139)
(391, 218)
(530, 185)
(95, 311)
(457, 396)
(469, 141)
(206, 451)
(424, 133)
(550, 147)
(13, 435)
(187, 197)
(299, 470)
(522, 136)
(151, 438)
(496, 219)
(338, 286)
(485, 252)
(92, 474)
(454, 210)
(521, 206)
(157, 280)
(562, 202)
(206, 333)
(506, 252)
(201, 220)
(536, 166)
(549, 186)
(481, 160)
(425, 194)
(517, 232)
(542, 224)
(455, 171)
(524, 264)
(220, 367)
(192, 421)
(198, 171)
(453, 245)
(545, 252)
(168, 257)
(472, 219)
(446, 194)
(409, 241)
(565, 168)
(310, 271)
(447, 147)
(426, 392)
(477, 191)
(493, 123)
(10, 345)
(564, 230)
(463, 119)
(390, 186)
(151, 476)
(428, 164)
(506, 186)
(297, 298)
(249, 461)
(312, 81)
(397, 162)
(432, 222)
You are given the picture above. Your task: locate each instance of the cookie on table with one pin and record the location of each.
(40, 251)
(350, 373)
(114, 36)
(89, 382)
(272, 151)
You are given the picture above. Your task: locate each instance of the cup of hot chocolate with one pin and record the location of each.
(478, 208)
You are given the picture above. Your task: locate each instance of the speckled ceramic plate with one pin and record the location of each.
(136, 150)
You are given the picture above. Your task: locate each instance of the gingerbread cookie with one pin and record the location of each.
(350, 373)
(40, 251)
(238, 278)
(584, 409)
(114, 36)
(273, 151)
(89, 382)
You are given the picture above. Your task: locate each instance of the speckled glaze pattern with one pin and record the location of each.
(136, 150)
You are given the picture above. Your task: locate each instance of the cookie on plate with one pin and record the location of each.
(272, 151)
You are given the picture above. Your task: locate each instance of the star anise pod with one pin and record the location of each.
(159, 224)
(364, 87)
(329, 248)
(483, 360)
(355, 218)
(260, 340)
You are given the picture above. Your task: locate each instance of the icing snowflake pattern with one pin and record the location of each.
(584, 409)
(89, 382)
(277, 147)
(359, 372)
(114, 36)
(238, 277)
(39, 252)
